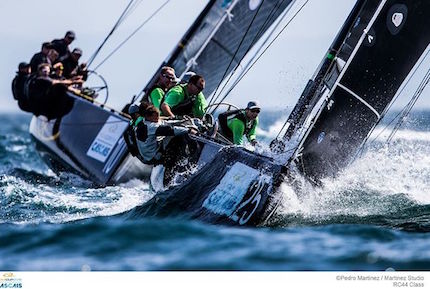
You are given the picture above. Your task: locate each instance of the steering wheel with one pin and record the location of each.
(217, 105)
(96, 86)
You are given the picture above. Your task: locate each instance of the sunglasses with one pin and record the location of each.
(198, 87)
(255, 110)
(169, 77)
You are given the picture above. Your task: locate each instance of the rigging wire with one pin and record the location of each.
(131, 7)
(259, 33)
(132, 34)
(265, 50)
(237, 49)
(410, 105)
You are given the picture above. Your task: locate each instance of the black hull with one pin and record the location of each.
(236, 187)
(87, 140)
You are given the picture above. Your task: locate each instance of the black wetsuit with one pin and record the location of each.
(36, 60)
(18, 87)
(61, 46)
(71, 67)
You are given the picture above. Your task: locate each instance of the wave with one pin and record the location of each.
(387, 184)
(30, 197)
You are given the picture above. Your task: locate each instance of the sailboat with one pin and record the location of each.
(376, 51)
(89, 138)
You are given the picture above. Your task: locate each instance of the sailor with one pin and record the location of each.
(186, 99)
(18, 83)
(62, 45)
(45, 93)
(235, 124)
(135, 111)
(52, 57)
(72, 68)
(40, 57)
(166, 80)
(44, 82)
(151, 135)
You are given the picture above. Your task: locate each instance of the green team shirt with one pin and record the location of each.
(238, 129)
(156, 97)
(176, 95)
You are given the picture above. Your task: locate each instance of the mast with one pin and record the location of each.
(297, 115)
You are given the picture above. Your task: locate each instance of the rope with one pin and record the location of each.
(410, 105)
(132, 34)
(121, 18)
(256, 37)
(265, 50)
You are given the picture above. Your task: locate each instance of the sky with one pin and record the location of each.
(276, 81)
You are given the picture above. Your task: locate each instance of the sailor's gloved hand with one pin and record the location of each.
(254, 143)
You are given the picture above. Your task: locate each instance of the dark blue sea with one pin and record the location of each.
(374, 216)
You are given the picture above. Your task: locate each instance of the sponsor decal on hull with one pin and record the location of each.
(106, 139)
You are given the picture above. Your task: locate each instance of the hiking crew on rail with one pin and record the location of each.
(237, 123)
(33, 89)
(166, 80)
(186, 99)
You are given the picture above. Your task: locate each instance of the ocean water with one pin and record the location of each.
(374, 216)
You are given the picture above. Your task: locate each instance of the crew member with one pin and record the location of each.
(18, 83)
(166, 80)
(136, 112)
(40, 57)
(72, 68)
(62, 45)
(236, 124)
(151, 133)
(186, 99)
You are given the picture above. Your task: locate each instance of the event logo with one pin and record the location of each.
(397, 19)
(9, 280)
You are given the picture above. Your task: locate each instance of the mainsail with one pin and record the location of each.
(224, 29)
(383, 45)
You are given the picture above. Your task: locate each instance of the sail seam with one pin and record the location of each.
(193, 59)
(360, 99)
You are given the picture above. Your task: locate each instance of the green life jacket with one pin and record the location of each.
(186, 106)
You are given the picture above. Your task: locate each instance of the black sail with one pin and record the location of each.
(391, 43)
(225, 28)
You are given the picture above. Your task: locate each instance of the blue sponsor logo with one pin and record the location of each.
(100, 149)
